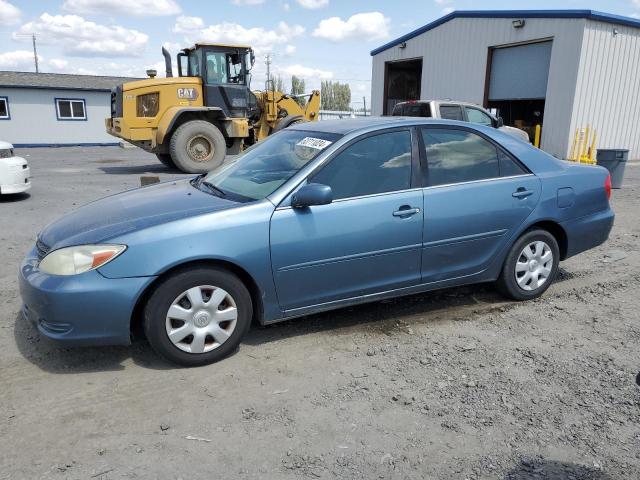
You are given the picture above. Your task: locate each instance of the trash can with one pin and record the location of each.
(613, 160)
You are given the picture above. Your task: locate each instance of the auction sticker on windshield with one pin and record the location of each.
(317, 143)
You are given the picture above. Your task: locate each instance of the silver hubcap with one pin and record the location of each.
(534, 265)
(200, 149)
(201, 319)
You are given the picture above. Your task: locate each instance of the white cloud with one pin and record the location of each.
(58, 63)
(443, 2)
(137, 8)
(248, 2)
(187, 25)
(290, 49)
(261, 39)
(367, 26)
(447, 10)
(18, 60)
(9, 13)
(305, 72)
(81, 37)
(313, 4)
(286, 7)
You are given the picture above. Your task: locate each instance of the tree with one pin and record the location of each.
(335, 96)
(297, 88)
(279, 84)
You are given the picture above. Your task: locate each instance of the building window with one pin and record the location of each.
(4, 108)
(70, 109)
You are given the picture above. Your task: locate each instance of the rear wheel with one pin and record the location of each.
(197, 147)
(166, 160)
(198, 316)
(530, 266)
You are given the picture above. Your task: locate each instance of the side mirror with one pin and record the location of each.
(312, 194)
(500, 122)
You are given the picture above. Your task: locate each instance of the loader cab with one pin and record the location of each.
(225, 73)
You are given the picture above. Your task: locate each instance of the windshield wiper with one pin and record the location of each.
(199, 180)
(216, 191)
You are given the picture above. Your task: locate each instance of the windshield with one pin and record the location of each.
(264, 167)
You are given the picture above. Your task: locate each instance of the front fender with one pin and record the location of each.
(173, 114)
(239, 236)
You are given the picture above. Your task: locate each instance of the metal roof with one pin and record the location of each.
(588, 14)
(60, 81)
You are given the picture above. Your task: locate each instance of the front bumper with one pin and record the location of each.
(79, 310)
(18, 181)
(144, 137)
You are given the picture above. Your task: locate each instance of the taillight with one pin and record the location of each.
(607, 186)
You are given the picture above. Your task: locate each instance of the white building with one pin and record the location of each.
(563, 69)
(49, 109)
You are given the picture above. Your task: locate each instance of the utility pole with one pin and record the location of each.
(364, 101)
(35, 52)
(268, 62)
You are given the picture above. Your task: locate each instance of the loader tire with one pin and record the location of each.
(166, 160)
(288, 121)
(197, 147)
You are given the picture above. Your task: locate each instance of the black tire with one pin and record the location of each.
(508, 284)
(166, 160)
(288, 121)
(197, 136)
(157, 308)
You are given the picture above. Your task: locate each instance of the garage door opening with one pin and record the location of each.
(517, 85)
(402, 82)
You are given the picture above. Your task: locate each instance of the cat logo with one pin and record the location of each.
(188, 93)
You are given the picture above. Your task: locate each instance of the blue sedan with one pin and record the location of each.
(316, 217)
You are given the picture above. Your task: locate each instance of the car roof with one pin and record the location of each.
(5, 145)
(363, 124)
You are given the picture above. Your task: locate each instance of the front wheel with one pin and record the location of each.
(197, 146)
(530, 266)
(198, 316)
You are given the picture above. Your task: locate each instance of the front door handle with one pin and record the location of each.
(405, 211)
(522, 193)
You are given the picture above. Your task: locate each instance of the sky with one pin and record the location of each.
(314, 39)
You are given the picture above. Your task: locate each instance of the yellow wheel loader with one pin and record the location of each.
(194, 120)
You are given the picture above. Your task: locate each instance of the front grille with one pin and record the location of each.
(42, 249)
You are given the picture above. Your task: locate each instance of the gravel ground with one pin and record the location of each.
(457, 384)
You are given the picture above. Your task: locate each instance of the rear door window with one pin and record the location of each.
(456, 156)
(451, 112)
(509, 167)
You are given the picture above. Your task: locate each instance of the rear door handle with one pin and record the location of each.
(522, 193)
(406, 211)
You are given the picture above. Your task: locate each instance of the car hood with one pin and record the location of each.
(133, 210)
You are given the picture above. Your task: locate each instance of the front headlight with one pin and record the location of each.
(79, 259)
(147, 105)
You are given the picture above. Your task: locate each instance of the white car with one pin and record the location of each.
(14, 171)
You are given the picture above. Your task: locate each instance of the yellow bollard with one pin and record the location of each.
(536, 140)
(574, 146)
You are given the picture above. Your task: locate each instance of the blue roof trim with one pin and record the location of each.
(588, 14)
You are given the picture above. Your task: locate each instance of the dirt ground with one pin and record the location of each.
(457, 384)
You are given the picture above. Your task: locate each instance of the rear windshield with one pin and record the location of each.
(411, 110)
